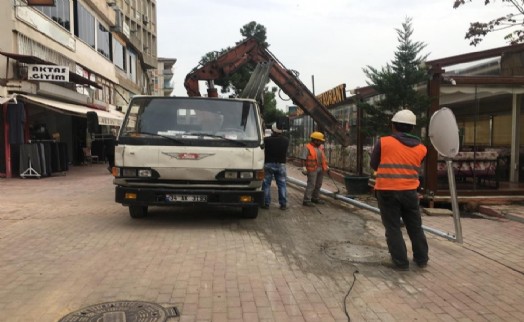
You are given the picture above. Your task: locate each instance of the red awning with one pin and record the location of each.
(27, 59)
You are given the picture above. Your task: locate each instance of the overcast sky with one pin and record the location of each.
(331, 39)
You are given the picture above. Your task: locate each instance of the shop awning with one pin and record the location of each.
(463, 93)
(6, 99)
(104, 117)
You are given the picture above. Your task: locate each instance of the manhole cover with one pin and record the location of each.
(122, 311)
(356, 253)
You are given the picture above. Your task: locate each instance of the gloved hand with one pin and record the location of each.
(304, 171)
(328, 171)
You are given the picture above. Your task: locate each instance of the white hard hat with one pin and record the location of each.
(275, 129)
(404, 116)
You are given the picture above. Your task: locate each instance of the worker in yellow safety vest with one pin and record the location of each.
(397, 161)
(314, 164)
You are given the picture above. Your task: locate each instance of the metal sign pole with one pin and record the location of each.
(444, 135)
(454, 202)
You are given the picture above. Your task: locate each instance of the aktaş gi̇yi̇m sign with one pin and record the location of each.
(50, 73)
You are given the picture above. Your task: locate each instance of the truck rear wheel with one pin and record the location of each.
(137, 211)
(250, 212)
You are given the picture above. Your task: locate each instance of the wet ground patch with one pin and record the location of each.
(356, 253)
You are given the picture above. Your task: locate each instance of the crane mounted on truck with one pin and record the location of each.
(205, 151)
(250, 50)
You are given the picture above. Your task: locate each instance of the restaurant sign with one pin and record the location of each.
(50, 73)
(333, 96)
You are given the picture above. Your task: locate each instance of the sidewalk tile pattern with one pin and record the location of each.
(65, 244)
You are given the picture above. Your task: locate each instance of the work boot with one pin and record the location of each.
(402, 268)
(394, 266)
(318, 201)
(421, 264)
(308, 204)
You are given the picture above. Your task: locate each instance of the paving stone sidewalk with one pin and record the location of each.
(479, 280)
(65, 245)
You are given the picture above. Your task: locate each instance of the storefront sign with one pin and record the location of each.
(49, 73)
(329, 98)
(102, 120)
(333, 96)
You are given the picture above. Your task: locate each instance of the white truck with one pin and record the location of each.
(190, 151)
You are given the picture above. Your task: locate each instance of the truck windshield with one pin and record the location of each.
(192, 119)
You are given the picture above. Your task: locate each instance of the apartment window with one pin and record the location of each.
(60, 13)
(103, 41)
(131, 66)
(119, 58)
(85, 25)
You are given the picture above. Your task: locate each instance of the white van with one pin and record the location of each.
(190, 151)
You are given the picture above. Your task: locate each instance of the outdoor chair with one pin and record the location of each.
(88, 157)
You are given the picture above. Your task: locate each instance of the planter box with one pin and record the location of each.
(357, 185)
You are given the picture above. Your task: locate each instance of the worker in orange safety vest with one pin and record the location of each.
(314, 164)
(397, 161)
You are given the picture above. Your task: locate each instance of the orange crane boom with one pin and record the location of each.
(251, 50)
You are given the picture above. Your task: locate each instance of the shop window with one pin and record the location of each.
(477, 132)
(502, 130)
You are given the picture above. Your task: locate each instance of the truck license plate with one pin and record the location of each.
(186, 198)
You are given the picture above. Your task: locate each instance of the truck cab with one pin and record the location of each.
(190, 151)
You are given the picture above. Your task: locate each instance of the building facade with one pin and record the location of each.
(486, 98)
(162, 77)
(62, 62)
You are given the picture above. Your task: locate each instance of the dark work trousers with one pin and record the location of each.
(402, 204)
(314, 184)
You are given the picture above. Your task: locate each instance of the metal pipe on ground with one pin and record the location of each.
(367, 207)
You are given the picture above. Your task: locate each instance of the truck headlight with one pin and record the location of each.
(231, 174)
(246, 175)
(144, 173)
(134, 173)
(241, 174)
(127, 172)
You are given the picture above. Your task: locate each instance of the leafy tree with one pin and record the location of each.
(236, 82)
(271, 112)
(396, 83)
(478, 30)
(256, 31)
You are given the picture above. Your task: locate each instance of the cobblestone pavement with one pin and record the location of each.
(65, 244)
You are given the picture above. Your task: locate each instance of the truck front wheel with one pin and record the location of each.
(250, 212)
(137, 211)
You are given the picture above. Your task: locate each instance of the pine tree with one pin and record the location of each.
(397, 85)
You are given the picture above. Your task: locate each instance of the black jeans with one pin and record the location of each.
(402, 204)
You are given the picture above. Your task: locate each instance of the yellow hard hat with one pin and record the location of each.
(317, 136)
